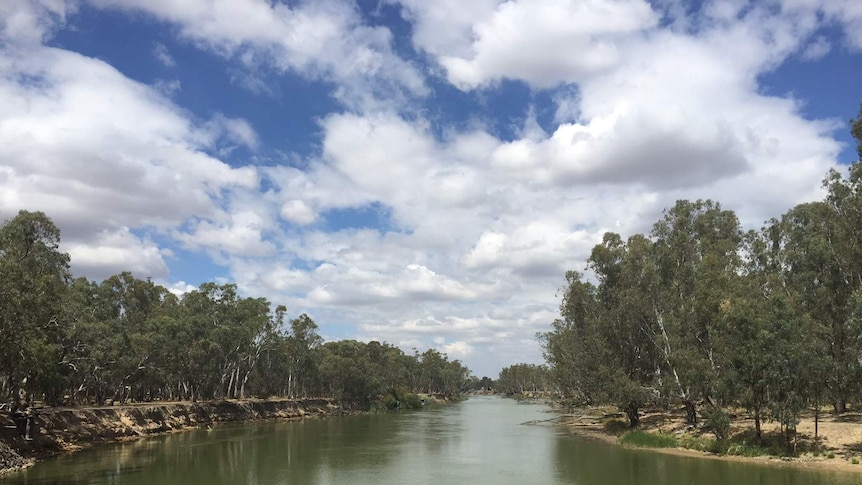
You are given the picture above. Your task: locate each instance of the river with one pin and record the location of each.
(479, 441)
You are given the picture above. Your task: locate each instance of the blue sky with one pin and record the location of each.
(418, 172)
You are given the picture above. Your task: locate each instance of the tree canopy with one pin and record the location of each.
(68, 341)
(699, 312)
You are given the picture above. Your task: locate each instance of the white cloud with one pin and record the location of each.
(297, 212)
(116, 248)
(817, 49)
(845, 13)
(241, 232)
(546, 43)
(445, 26)
(321, 39)
(101, 153)
(32, 21)
(458, 350)
(235, 130)
(543, 42)
(482, 228)
(163, 55)
(178, 288)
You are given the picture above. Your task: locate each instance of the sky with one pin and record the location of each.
(411, 171)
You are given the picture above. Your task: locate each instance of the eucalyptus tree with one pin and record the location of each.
(34, 276)
(520, 378)
(572, 347)
(697, 253)
(302, 345)
(629, 357)
(822, 263)
(770, 356)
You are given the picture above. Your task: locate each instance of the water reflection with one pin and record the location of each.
(480, 441)
(585, 461)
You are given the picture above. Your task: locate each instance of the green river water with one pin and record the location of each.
(479, 441)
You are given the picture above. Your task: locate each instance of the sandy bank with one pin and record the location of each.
(840, 437)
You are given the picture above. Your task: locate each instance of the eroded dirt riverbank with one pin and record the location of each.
(57, 430)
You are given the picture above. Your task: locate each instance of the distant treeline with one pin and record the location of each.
(700, 314)
(74, 341)
(523, 378)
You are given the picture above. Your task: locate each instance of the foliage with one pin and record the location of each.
(700, 312)
(125, 338)
(520, 378)
(718, 421)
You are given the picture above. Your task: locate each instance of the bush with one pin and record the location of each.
(645, 439)
(399, 398)
(411, 401)
(718, 421)
(699, 443)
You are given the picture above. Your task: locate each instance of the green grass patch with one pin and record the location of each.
(644, 439)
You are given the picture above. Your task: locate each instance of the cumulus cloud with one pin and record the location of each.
(31, 22)
(546, 42)
(653, 102)
(550, 42)
(486, 222)
(320, 40)
(101, 153)
(116, 248)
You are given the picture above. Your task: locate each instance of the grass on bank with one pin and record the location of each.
(742, 444)
(646, 439)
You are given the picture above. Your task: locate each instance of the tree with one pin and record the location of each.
(821, 263)
(856, 131)
(570, 347)
(303, 342)
(34, 275)
(520, 378)
(697, 248)
(605, 348)
(629, 356)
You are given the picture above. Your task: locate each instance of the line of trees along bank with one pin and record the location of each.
(522, 378)
(68, 341)
(704, 315)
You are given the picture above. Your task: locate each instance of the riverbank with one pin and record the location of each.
(839, 448)
(58, 430)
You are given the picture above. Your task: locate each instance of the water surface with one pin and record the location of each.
(480, 441)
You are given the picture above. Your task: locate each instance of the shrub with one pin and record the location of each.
(699, 443)
(645, 439)
(718, 422)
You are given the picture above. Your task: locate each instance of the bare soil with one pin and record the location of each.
(58, 430)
